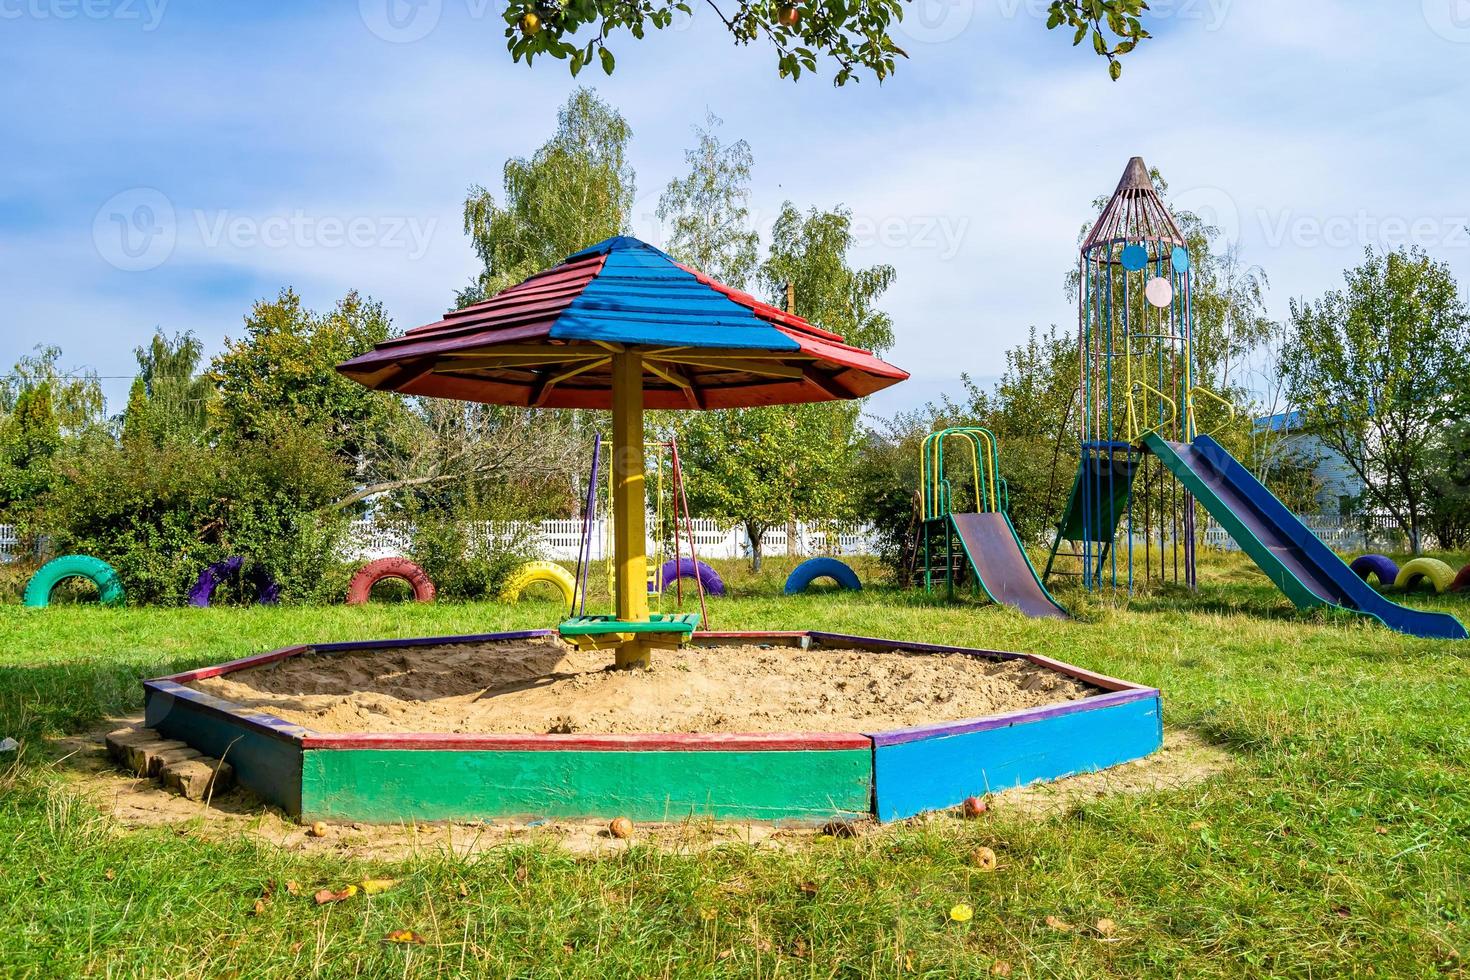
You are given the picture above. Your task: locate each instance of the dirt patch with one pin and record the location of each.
(544, 686)
(138, 803)
(1184, 760)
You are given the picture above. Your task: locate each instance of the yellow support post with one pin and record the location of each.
(629, 542)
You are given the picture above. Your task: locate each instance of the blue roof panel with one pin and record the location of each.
(641, 296)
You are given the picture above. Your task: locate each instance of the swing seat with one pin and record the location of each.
(662, 630)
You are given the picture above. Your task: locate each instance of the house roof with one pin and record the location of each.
(1280, 422)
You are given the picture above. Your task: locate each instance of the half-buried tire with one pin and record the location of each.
(1381, 567)
(369, 575)
(1462, 581)
(539, 571)
(1416, 572)
(689, 568)
(211, 577)
(267, 592)
(53, 573)
(814, 568)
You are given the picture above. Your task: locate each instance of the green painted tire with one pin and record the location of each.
(1436, 572)
(57, 570)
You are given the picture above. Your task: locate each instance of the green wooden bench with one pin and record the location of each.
(681, 623)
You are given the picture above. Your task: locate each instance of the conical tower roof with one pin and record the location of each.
(1135, 213)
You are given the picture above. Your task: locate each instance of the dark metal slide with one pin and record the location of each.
(1294, 558)
(1001, 566)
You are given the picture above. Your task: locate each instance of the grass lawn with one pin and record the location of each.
(1338, 844)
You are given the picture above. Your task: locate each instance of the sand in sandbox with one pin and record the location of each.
(544, 686)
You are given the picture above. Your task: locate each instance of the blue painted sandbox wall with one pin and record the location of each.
(938, 771)
(264, 763)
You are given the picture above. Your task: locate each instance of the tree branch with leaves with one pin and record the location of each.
(854, 36)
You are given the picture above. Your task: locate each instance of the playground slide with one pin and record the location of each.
(1285, 549)
(1001, 566)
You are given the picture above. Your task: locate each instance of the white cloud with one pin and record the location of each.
(973, 168)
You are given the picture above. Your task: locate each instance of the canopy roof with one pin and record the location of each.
(548, 342)
(1134, 213)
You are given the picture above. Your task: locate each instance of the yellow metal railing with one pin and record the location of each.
(985, 470)
(1191, 422)
(1135, 434)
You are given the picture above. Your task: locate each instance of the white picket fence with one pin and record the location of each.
(1342, 533)
(561, 540)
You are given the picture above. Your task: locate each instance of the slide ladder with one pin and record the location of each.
(1295, 559)
(1099, 500)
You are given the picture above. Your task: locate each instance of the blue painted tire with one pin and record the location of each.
(814, 568)
(54, 572)
(1381, 567)
(689, 568)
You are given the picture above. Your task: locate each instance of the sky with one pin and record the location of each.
(167, 163)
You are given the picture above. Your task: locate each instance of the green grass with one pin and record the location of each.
(1336, 846)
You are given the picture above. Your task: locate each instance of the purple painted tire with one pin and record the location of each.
(267, 592)
(267, 589)
(1383, 568)
(689, 568)
(211, 577)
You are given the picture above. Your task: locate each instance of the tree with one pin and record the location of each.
(42, 409)
(1449, 484)
(576, 190)
(168, 400)
(76, 396)
(856, 38)
(765, 467)
(440, 452)
(1376, 369)
(283, 372)
(1032, 411)
(709, 209)
(810, 253)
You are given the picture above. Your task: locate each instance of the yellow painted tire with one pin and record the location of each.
(1412, 575)
(539, 571)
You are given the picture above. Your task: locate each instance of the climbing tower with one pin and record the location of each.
(1129, 522)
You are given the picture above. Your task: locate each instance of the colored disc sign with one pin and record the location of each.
(1159, 292)
(1180, 258)
(1135, 257)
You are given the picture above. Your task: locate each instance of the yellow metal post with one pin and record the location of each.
(630, 560)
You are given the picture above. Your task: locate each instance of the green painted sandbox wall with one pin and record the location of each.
(395, 785)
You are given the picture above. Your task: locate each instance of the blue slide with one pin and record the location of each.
(1304, 568)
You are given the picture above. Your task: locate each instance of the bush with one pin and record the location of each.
(460, 567)
(161, 513)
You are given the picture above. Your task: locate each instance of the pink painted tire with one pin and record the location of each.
(360, 588)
